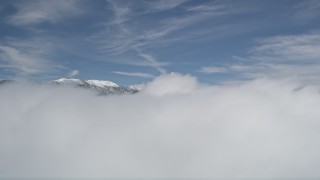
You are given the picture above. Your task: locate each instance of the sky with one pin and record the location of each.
(131, 42)
(228, 89)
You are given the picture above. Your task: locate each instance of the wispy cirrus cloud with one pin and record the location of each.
(138, 29)
(134, 74)
(73, 73)
(305, 47)
(121, 13)
(27, 57)
(304, 73)
(295, 56)
(213, 69)
(130, 34)
(32, 52)
(153, 62)
(289, 56)
(38, 11)
(307, 10)
(14, 59)
(162, 5)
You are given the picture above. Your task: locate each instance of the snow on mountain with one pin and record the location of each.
(99, 86)
(102, 84)
(68, 81)
(133, 88)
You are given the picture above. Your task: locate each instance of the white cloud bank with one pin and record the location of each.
(174, 128)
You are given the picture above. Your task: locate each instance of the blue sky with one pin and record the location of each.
(130, 42)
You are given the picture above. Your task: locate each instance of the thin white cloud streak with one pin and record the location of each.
(172, 25)
(295, 56)
(303, 73)
(37, 11)
(306, 10)
(125, 32)
(27, 57)
(34, 55)
(209, 12)
(174, 128)
(14, 59)
(306, 74)
(304, 47)
(153, 62)
(162, 5)
(121, 13)
(135, 37)
(73, 73)
(123, 39)
(290, 56)
(204, 8)
(134, 74)
(213, 70)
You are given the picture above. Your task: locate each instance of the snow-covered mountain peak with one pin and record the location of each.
(98, 86)
(133, 87)
(102, 84)
(68, 81)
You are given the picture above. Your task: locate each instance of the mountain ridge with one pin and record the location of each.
(101, 87)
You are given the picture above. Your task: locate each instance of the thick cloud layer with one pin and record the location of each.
(174, 128)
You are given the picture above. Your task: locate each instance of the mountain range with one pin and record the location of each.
(99, 86)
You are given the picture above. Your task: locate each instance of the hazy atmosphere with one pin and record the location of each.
(166, 89)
